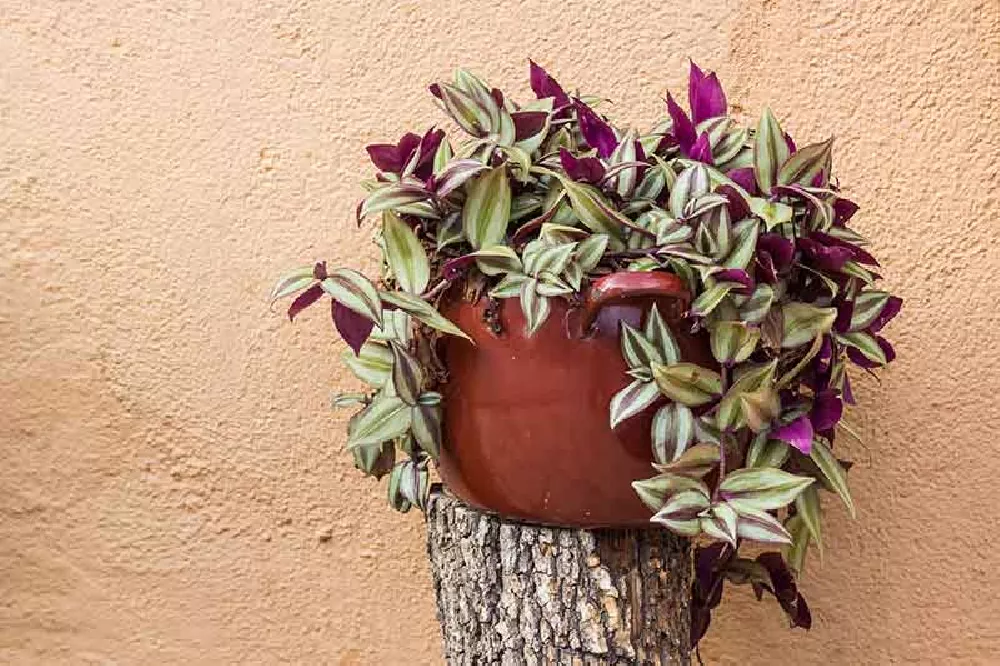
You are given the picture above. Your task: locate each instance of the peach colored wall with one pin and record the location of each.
(172, 485)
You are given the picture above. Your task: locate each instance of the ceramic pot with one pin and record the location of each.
(526, 431)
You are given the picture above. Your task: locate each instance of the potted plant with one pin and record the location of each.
(591, 326)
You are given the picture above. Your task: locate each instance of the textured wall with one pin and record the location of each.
(172, 485)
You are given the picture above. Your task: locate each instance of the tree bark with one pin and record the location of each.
(514, 594)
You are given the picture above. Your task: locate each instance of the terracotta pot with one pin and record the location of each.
(526, 432)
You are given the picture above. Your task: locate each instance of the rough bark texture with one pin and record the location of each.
(510, 593)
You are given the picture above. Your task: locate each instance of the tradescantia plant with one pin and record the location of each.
(538, 200)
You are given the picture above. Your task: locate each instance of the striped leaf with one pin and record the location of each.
(372, 365)
(867, 307)
(762, 488)
(692, 183)
(866, 344)
(672, 432)
(455, 174)
(552, 259)
(535, 307)
(293, 281)
(654, 492)
(770, 151)
(680, 513)
(386, 418)
(419, 309)
(590, 251)
(733, 341)
(744, 244)
(808, 506)
(687, 383)
(761, 526)
(795, 553)
(833, 471)
(442, 157)
(695, 463)
(391, 197)
(463, 109)
(709, 299)
(426, 427)
(766, 452)
(774, 213)
(720, 523)
(636, 349)
(497, 259)
(805, 164)
(353, 290)
(405, 255)
(631, 400)
(803, 322)
(659, 334)
(594, 210)
(487, 208)
(509, 286)
(407, 375)
(625, 153)
(755, 308)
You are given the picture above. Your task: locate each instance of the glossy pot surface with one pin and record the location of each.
(526, 431)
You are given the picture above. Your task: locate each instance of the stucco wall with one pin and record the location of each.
(172, 485)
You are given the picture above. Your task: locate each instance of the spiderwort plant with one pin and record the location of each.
(539, 198)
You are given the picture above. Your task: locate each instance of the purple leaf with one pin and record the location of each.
(843, 210)
(701, 151)
(823, 257)
(705, 95)
(385, 157)
(597, 133)
(428, 147)
(825, 355)
(683, 128)
(846, 391)
(845, 310)
(765, 270)
(826, 411)
(780, 248)
(744, 177)
(304, 300)
(738, 207)
(889, 310)
(454, 268)
(859, 254)
(581, 169)
(737, 275)
(544, 86)
(798, 433)
(528, 123)
(790, 144)
(353, 327)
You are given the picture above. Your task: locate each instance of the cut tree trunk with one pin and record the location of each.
(510, 593)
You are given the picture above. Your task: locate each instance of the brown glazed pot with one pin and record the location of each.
(526, 431)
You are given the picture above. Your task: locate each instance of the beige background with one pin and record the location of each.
(172, 484)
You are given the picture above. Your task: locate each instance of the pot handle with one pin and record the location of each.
(624, 286)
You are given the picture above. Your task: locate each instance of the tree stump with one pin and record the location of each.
(515, 594)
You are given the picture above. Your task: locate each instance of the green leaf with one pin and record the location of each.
(353, 290)
(497, 259)
(762, 488)
(535, 307)
(744, 244)
(374, 459)
(755, 308)
(349, 399)
(769, 152)
(442, 156)
(680, 513)
(774, 213)
(487, 208)
(395, 326)
(687, 383)
(867, 306)
(805, 164)
(391, 197)
(808, 506)
(766, 452)
(372, 365)
(414, 483)
(793, 374)
(464, 109)
(653, 492)
(426, 427)
(672, 432)
(803, 322)
(636, 349)
(696, 462)
(405, 254)
(760, 526)
(419, 309)
(719, 522)
(386, 418)
(593, 209)
(549, 259)
(866, 344)
(293, 281)
(396, 498)
(407, 375)
(795, 553)
(833, 472)
(733, 341)
(709, 299)
(658, 333)
(631, 400)
(753, 379)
